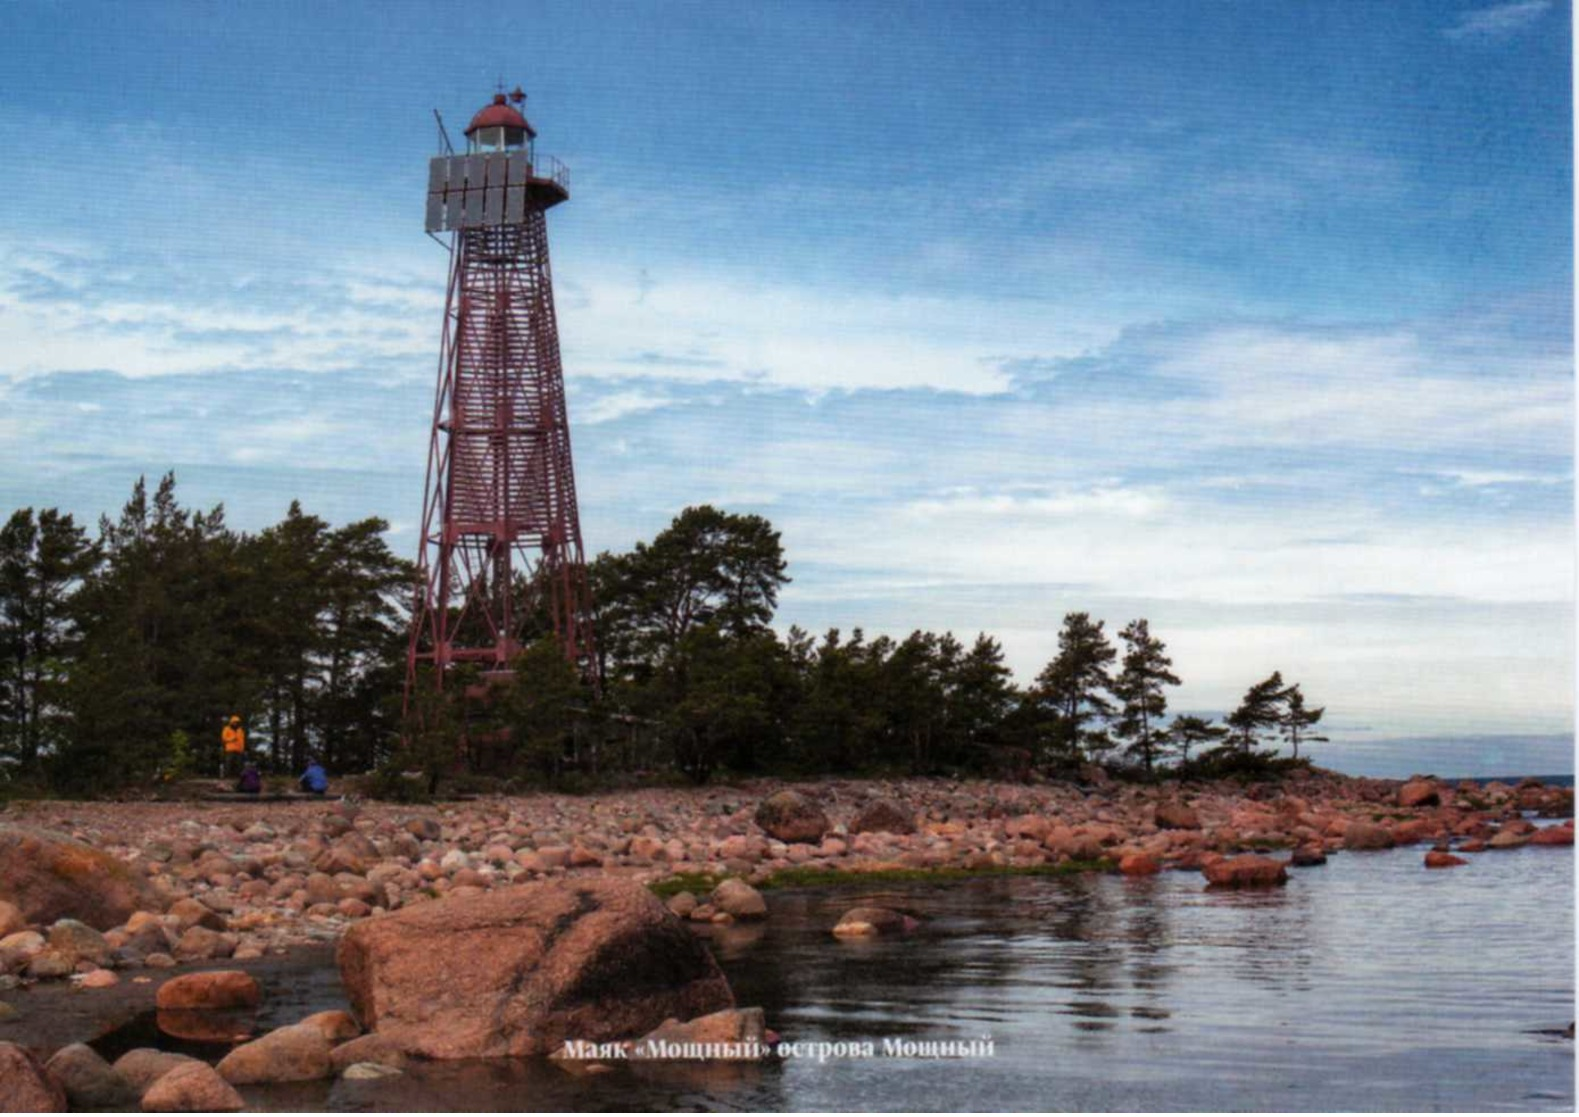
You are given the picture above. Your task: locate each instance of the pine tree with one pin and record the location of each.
(1259, 712)
(1072, 691)
(43, 560)
(1298, 723)
(1139, 687)
(1188, 731)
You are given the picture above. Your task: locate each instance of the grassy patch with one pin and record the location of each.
(810, 877)
(698, 884)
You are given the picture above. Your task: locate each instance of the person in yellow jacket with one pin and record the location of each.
(234, 737)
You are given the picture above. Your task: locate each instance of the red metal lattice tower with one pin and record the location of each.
(501, 555)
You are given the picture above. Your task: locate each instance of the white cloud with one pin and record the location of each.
(618, 405)
(1497, 21)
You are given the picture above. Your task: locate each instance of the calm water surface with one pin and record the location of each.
(1368, 983)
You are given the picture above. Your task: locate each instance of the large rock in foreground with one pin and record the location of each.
(25, 1087)
(90, 1082)
(521, 970)
(791, 817)
(50, 876)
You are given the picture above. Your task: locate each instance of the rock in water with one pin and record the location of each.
(739, 899)
(297, 1053)
(336, 1024)
(872, 921)
(1553, 836)
(90, 1082)
(740, 1033)
(209, 989)
(1367, 835)
(1436, 859)
(1308, 855)
(366, 1049)
(520, 970)
(25, 1086)
(883, 816)
(791, 817)
(1138, 865)
(143, 1066)
(49, 876)
(1247, 871)
(192, 1087)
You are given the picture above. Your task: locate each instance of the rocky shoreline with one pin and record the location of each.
(94, 893)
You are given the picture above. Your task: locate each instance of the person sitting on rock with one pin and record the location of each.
(250, 783)
(315, 779)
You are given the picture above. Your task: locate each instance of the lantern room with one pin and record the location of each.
(500, 126)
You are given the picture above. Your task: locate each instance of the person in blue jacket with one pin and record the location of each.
(315, 779)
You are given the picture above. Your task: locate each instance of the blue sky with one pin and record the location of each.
(1255, 319)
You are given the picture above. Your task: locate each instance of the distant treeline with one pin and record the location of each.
(121, 656)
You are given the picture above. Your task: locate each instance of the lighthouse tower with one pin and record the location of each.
(501, 561)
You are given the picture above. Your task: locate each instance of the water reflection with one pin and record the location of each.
(1367, 984)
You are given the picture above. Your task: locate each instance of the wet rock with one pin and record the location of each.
(211, 989)
(861, 921)
(49, 876)
(881, 816)
(1306, 856)
(1359, 834)
(25, 1086)
(682, 904)
(296, 1053)
(791, 817)
(1419, 793)
(371, 1048)
(739, 899)
(192, 1087)
(520, 970)
(1436, 859)
(1246, 871)
(89, 1081)
(98, 979)
(143, 1066)
(1173, 815)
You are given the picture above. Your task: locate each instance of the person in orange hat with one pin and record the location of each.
(234, 738)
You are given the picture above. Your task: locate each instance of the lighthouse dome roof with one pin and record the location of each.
(499, 114)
